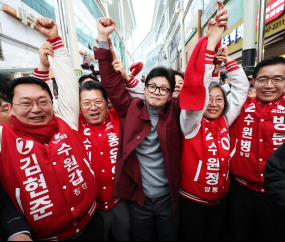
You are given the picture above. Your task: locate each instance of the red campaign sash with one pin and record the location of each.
(101, 144)
(205, 163)
(255, 135)
(52, 184)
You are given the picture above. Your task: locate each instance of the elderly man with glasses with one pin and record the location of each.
(256, 134)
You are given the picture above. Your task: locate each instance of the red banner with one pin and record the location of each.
(274, 9)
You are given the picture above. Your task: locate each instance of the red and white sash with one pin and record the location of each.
(52, 183)
(101, 144)
(255, 135)
(205, 163)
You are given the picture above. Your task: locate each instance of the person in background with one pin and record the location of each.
(252, 91)
(143, 79)
(179, 81)
(257, 133)
(86, 78)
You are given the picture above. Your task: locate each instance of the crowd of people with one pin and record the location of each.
(174, 156)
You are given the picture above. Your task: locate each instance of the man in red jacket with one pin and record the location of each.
(256, 134)
(148, 163)
(53, 183)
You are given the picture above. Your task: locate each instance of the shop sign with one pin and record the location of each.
(274, 9)
(27, 19)
(78, 73)
(234, 35)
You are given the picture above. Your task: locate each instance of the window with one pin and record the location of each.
(95, 11)
(93, 8)
(43, 7)
(84, 35)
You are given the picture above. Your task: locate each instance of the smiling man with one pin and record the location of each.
(256, 134)
(53, 183)
(148, 165)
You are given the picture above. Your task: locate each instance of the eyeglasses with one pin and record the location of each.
(162, 90)
(218, 101)
(29, 105)
(88, 104)
(275, 81)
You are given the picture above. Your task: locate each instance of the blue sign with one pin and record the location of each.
(234, 36)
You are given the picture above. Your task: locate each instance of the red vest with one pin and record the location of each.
(205, 163)
(52, 184)
(255, 135)
(101, 143)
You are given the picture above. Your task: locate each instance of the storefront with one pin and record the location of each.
(274, 43)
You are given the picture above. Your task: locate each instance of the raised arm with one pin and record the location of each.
(190, 120)
(239, 91)
(239, 85)
(112, 81)
(60, 63)
(198, 77)
(134, 86)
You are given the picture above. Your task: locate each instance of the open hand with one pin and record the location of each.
(105, 27)
(47, 27)
(217, 26)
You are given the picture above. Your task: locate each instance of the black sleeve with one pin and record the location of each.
(11, 220)
(274, 177)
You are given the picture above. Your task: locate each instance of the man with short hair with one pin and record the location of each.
(148, 164)
(148, 167)
(256, 134)
(53, 183)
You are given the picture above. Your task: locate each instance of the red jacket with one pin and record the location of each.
(206, 162)
(135, 126)
(101, 143)
(255, 135)
(52, 183)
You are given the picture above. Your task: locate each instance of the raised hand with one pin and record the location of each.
(47, 27)
(110, 47)
(119, 67)
(45, 49)
(105, 27)
(216, 27)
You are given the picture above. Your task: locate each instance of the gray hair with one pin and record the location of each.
(227, 105)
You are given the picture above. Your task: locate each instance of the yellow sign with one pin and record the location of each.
(271, 28)
(78, 73)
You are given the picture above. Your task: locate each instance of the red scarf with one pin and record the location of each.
(193, 97)
(42, 133)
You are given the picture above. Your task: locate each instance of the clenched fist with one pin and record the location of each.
(47, 27)
(105, 27)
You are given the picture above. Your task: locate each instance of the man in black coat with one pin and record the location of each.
(13, 225)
